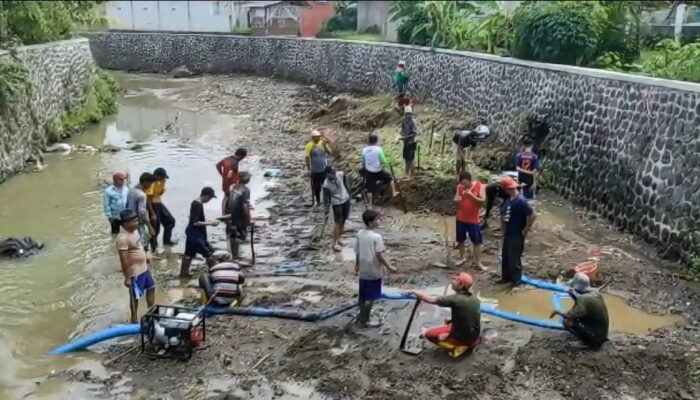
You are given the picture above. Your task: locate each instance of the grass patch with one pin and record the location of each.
(100, 101)
(352, 35)
(241, 31)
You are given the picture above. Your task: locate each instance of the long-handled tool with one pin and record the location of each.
(252, 243)
(403, 201)
(418, 154)
(412, 351)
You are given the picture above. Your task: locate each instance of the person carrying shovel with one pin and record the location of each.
(316, 152)
(462, 331)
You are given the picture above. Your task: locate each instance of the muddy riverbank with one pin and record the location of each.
(256, 358)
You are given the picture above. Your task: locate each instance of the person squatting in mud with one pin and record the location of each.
(221, 286)
(115, 200)
(462, 331)
(196, 233)
(517, 218)
(316, 153)
(228, 169)
(588, 318)
(373, 162)
(369, 265)
(336, 195)
(239, 209)
(134, 265)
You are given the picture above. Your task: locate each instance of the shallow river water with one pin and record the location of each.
(73, 286)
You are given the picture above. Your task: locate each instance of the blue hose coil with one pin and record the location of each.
(538, 283)
(87, 341)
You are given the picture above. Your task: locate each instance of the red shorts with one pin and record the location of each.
(442, 334)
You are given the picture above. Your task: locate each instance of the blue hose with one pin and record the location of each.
(538, 283)
(87, 341)
(134, 329)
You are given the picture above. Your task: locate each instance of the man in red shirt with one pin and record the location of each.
(228, 169)
(469, 198)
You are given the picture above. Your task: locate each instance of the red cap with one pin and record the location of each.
(509, 183)
(465, 279)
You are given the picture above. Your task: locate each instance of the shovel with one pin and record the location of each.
(415, 350)
(252, 243)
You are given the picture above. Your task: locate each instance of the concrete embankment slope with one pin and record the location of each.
(625, 146)
(58, 74)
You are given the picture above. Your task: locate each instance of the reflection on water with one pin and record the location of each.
(623, 318)
(73, 286)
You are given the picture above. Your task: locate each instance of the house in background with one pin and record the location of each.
(303, 18)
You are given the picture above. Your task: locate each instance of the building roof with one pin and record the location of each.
(265, 4)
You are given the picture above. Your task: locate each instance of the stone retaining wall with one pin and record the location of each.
(625, 146)
(59, 73)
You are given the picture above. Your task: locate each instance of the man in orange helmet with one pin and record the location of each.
(464, 328)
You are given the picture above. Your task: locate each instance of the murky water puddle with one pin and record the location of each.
(537, 303)
(73, 286)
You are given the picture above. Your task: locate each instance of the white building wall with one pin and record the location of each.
(179, 16)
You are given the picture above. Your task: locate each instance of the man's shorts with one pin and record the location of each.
(409, 151)
(197, 245)
(465, 229)
(376, 180)
(141, 284)
(370, 289)
(341, 212)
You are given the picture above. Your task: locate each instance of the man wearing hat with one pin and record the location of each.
(463, 329)
(132, 258)
(114, 200)
(336, 194)
(409, 131)
(163, 216)
(400, 79)
(517, 218)
(239, 209)
(316, 153)
(588, 318)
(196, 232)
(137, 201)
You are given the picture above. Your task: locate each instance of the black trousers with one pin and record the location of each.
(511, 254)
(585, 334)
(115, 224)
(166, 220)
(317, 179)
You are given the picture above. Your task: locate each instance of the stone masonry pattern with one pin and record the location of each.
(625, 149)
(59, 73)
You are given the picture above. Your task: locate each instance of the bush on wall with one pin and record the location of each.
(558, 31)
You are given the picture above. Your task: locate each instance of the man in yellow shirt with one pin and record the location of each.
(316, 152)
(160, 213)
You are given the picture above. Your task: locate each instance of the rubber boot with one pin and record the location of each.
(185, 267)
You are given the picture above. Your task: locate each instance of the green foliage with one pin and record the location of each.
(240, 31)
(30, 22)
(559, 32)
(345, 19)
(351, 35)
(695, 263)
(622, 31)
(14, 83)
(495, 31)
(100, 101)
(410, 15)
(609, 60)
(674, 61)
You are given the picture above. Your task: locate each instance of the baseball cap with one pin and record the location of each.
(581, 283)
(208, 191)
(315, 133)
(408, 110)
(402, 62)
(160, 173)
(509, 183)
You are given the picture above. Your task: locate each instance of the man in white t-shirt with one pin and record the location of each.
(369, 265)
(373, 161)
(335, 193)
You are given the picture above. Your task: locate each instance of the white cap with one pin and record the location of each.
(581, 283)
(315, 133)
(402, 62)
(482, 129)
(408, 110)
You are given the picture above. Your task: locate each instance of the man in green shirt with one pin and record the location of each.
(588, 318)
(400, 78)
(463, 330)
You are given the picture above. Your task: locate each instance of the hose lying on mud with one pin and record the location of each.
(135, 329)
(540, 284)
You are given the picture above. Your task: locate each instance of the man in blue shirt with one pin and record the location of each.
(517, 218)
(527, 163)
(114, 200)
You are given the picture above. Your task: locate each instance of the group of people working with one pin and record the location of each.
(137, 213)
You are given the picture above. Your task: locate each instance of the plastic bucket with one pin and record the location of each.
(589, 268)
